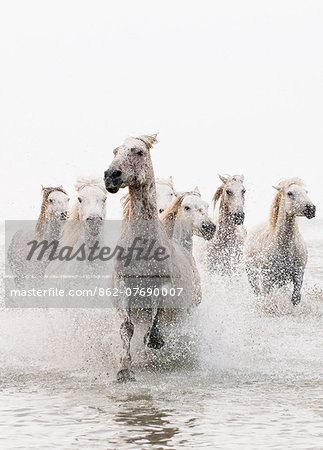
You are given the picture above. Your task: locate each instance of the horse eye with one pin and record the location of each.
(229, 192)
(140, 153)
(79, 199)
(243, 191)
(50, 200)
(290, 194)
(187, 208)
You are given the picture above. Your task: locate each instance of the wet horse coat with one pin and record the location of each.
(275, 252)
(223, 254)
(132, 167)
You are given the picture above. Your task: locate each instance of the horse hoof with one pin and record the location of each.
(125, 375)
(154, 339)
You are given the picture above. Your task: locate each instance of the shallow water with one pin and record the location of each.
(235, 376)
(46, 410)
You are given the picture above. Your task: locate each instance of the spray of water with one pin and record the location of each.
(231, 331)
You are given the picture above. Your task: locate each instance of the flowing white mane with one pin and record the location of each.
(83, 181)
(148, 139)
(166, 182)
(172, 211)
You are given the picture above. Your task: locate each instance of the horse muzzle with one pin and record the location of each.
(112, 180)
(238, 218)
(94, 224)
(309, 211)
(208, 230)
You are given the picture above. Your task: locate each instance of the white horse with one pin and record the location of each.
(165, 193)
(224, 252)
(132, 167)
(52, 218)
(275, 252)
(186, 217)
(84, 229)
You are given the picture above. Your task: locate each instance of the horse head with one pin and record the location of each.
(131, 165)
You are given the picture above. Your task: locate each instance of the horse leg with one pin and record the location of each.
(253, 278)
(153, 337)
(297, 281)
(126, 332)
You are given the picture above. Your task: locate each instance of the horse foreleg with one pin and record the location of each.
(153, 337)
(126, 332)
(297, 281)
(254, 279)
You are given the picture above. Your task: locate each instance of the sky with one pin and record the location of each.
(231, 87)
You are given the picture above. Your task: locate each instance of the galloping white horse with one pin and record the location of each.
(188, 216)
(275, 252)
(84, 228)
(224, 253)
(165, 193)
(52, 218)
(132, 167)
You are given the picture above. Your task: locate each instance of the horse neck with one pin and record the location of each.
(183, 234)
(49, 229)
(143, 201)
(286, 226)
(88, 239)
(225, 227)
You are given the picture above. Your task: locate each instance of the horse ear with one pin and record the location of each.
(196, 189)
(171, 180)
(278, 188)
(241, 178)
(45, 190)
(223, 178)
(149, 139)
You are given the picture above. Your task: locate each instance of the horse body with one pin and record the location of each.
(186, 217)
(52, 218)
(224, 253)
(275, 252)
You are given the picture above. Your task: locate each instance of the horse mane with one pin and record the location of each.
(217, 195)
(171, 212)
(46, 191)
(274, 210)
(93, 180)
(125, 201)
(166, 182)
(148, 139)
